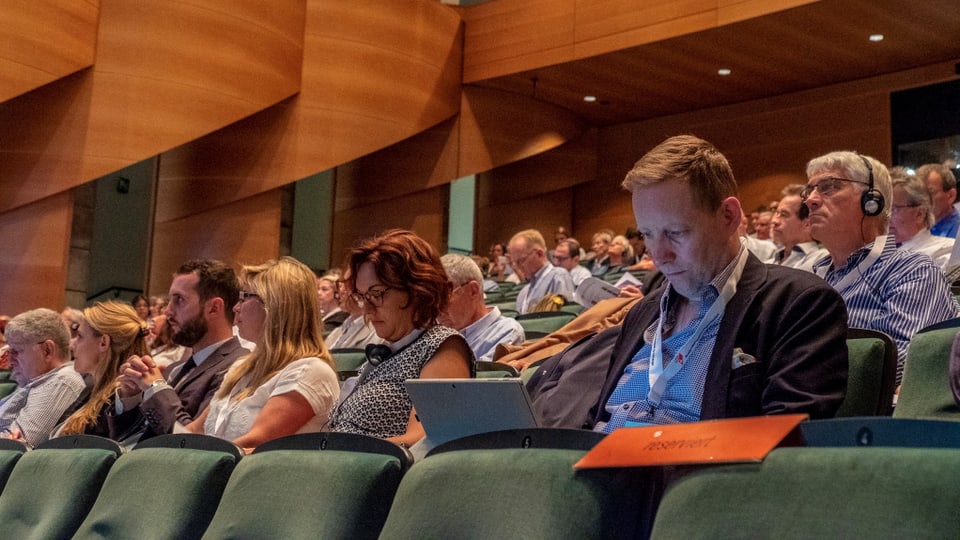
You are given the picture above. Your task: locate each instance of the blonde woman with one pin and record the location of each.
(109, 334)
(287, 384)
(619, 254)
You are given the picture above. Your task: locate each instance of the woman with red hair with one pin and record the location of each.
(399, 282)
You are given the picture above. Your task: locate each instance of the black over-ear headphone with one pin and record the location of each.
(871, 202)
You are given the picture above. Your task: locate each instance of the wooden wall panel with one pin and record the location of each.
(497, 128)
(374, 73)
(43, 40)
(245, 232)
(423, 212)
(164, 73)
(33, 268)
(546, 212)
(565, 166)
(504, 37)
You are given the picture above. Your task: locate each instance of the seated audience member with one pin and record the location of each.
(158, 304)
(567, 256)
(619, 254)
(483, 327)
(600, 243)
(791, 230)
(356, 332)
(727, 336)
(499, 268)
(644, 262)
(162, 348)
(327, 293)
(559, 236)
(200, 312)
(72, 317)
(528, 255)
(911, 217)
(398, 280)
(764, 250)
(942, 185)
(110, 333)
(896, 292)
(287, 384)
(762, 227)
(39, 351)
(142, 306)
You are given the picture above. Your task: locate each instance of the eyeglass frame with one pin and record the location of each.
(826, 194)
(375, 299)
(244, 295)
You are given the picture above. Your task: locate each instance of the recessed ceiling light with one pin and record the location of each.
(723, 72)
(590, 99)
(876, 37)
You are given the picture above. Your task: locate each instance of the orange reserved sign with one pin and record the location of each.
(713, 441)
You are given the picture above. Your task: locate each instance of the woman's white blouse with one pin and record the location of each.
(310, 377)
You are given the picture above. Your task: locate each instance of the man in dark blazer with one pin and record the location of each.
(200, 313)
(728, 336)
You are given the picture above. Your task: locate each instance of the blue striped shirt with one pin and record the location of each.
(683, 397)
(900, 293)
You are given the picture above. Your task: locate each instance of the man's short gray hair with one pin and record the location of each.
(38, 325)
(461, 269)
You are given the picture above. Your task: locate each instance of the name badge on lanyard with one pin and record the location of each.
(659, 374)
(852, 277)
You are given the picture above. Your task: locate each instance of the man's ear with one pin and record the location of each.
(476, 289)
(214, 306)
(731, 214)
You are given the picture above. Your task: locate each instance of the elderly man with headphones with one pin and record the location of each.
(885, 289)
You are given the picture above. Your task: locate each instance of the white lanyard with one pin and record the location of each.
(866, 263)
(660, 375)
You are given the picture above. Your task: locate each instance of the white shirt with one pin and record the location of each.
(937, 248)
(310, 377)
(801, 257)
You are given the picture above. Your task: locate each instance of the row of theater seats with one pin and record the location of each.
(856, 478)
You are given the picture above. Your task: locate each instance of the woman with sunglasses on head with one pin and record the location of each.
(400, 283)
(287, 384)
(110, 333)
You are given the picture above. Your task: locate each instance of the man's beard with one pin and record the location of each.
(191, 331)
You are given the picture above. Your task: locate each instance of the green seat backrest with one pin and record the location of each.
(50, 492)
(514, 493)
(545, 322)
(293, 494)
(159, 493)
(819, 493)
(348, 359)
(7, 388)
(8, 458)
(871, 378)
(925, 391)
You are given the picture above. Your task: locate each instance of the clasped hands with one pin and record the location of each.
(137, 374)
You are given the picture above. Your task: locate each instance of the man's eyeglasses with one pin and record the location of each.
(374, 297)
(244, 295)
(827, 187)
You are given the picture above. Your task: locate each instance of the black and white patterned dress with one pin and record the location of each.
(380, 406)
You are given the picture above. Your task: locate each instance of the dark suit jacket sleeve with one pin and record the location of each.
(167, 407)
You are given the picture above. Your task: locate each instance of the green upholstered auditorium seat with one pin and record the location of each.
(872, 375)
(159, 493)
(819, 493)
(290, 488)
(50, 491)
(925, 390)
(514, 492)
